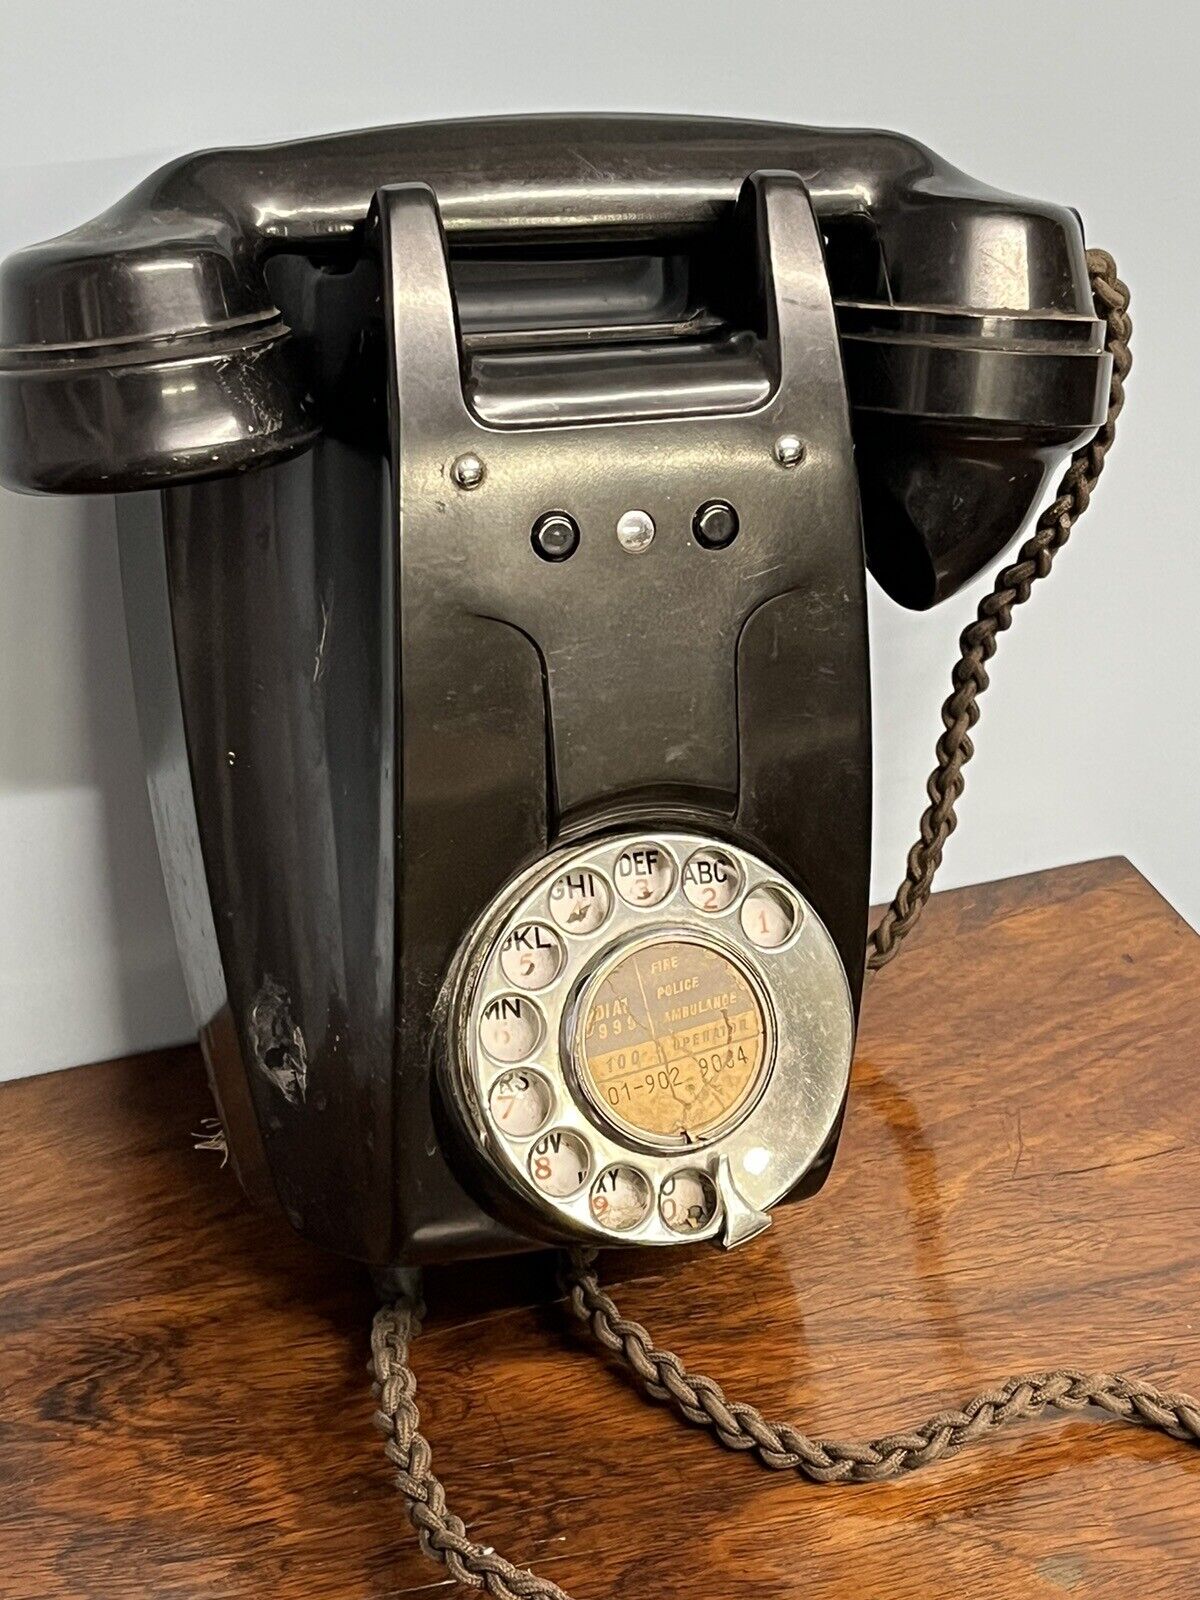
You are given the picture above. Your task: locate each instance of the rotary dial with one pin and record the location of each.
(650, 1039)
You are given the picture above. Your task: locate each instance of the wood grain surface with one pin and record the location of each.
(184, 1407)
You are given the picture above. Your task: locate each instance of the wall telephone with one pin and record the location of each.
(495, 501)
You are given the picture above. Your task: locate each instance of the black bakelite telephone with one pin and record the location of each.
(492, 501)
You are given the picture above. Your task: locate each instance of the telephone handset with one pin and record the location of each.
(514, 802)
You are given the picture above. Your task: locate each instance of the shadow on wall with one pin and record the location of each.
(75, 827)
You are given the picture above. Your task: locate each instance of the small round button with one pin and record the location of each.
(768, 916)
(620, 1198)
(520, 1102)
(715, 525)
(635, 531)
(559, 1163)
(510, 1028)
(555, 536)
(468, 471)
(789, 450)
(579, 901)
(645, 875)
(532, 956)
(712, 880)
(687, 1201)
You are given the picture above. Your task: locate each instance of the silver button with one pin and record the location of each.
(559, 1163)
(532, 955)
(468, 471)
(645, 875)
(580, 901)
(521, 1102)
(768, 917)
(620, 1198)
(635, 531)
(687, 1201)
(510, 1028)
(712, 880)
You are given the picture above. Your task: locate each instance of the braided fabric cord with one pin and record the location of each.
(441, 1535)
(662, 1375)
(738, 1426)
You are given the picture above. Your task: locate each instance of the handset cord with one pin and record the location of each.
(662, 1375)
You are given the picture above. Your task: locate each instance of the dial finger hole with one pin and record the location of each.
(645, 875)
(687, 1201)
(559, 1163)
(511, 1027)
(769, 917)
(712, 880)
(520, 1102)
(580, 901)
(532, 956)
(620, 1198)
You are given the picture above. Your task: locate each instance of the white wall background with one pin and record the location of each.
(1087, 744)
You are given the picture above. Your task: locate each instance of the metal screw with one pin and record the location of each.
(555, 536)
(715, 525)
(635, 531)
(789, 450)
(468, 471)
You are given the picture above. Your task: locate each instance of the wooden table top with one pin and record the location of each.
(184, 1407)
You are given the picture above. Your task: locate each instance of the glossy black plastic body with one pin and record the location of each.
(365, 703)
